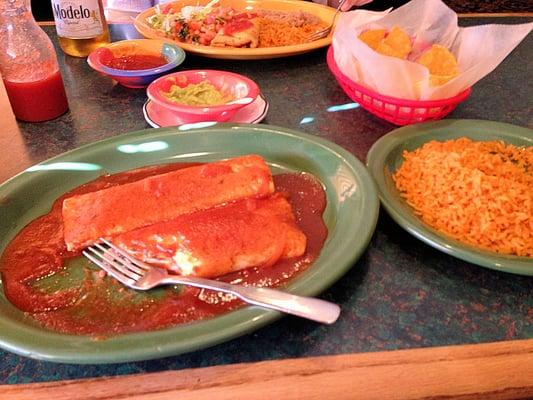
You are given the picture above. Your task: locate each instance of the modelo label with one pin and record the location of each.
(77, 19)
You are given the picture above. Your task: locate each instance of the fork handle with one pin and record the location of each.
(305, 307)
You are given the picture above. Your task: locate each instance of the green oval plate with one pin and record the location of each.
(351, 217)
(385, 157)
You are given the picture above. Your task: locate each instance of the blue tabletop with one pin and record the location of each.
(400, 294)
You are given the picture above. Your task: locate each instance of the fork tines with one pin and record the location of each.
(319, 35)
(115, 261)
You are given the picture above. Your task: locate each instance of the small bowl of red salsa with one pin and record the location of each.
(137, 62)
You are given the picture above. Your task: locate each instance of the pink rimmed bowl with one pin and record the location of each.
(242, 90)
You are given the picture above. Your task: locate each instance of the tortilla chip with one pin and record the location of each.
(396, 44)
(441, 64)
(387, 50)
(372, 37)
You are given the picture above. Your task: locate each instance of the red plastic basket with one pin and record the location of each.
(392, 109)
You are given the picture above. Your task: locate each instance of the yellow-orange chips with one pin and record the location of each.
(480, 193)
(439, 60)
(441, 63)
(396, 43)
(373, 37)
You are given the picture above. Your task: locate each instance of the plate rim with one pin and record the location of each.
(375, 162)
(13, 334)
(257, 120)
(244, 53)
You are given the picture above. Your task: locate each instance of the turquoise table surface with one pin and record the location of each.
(401, 293)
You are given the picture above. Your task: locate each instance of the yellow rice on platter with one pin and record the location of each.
(480, 193)
(278, 28)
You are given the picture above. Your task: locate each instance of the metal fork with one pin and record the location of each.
(325, 32)
(141, 276)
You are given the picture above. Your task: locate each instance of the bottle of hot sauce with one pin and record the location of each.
(28, 65)
(81, 26)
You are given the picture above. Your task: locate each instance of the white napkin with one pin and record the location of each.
(478, 49)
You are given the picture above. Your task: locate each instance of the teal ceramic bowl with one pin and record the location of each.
(350, 215)
(385, 157)
(136, 78)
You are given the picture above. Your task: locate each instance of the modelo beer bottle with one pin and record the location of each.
(28, 65)
(81, 25)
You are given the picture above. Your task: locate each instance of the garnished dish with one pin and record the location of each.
(214, 25)
(440, 62)
(231, 220)
(238, 29)
(478, 192)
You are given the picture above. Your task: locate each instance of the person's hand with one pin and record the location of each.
(348, 4)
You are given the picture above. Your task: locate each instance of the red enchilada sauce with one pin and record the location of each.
(239, 23)
(100, 306)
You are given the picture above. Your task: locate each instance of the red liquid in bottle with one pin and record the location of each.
(38, 101)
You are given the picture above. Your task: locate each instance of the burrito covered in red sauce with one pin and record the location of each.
(278, 235)
(214, 242)
(118, 209)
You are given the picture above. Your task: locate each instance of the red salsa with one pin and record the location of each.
(36, 265)
(135, 62)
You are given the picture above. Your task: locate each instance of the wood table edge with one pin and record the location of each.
(501, 370)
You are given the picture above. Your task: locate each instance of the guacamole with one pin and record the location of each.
(197, 94)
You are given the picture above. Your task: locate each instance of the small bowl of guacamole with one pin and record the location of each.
(202, 95)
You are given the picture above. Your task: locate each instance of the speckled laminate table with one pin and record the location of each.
(400, 294)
